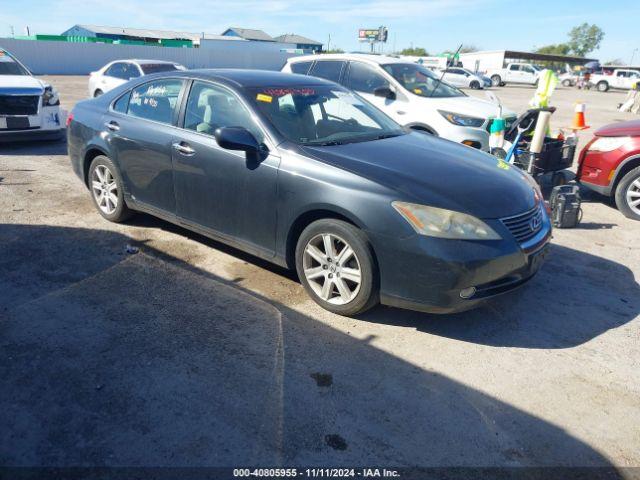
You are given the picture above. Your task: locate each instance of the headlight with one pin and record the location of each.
(437, 222)
(462, 120)
(50, 97)
(606, 144)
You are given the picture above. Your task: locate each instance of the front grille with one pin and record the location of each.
(526, 225)
(19, 104)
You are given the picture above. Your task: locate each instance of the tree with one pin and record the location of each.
(584, 39)
(555, 49)
(333, 50)
(415, 52)
(468, 48)
(615, 61)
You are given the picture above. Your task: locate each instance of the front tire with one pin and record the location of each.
(496, 81)
(628, 194)
(97, 93)
(566, 83)
(105, 184)
(475, 85)
(335, 265)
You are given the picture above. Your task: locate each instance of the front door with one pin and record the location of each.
(364, 79)
(226, 192)
(141, 135)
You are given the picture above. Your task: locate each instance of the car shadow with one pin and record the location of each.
(34, 147)
(559, 289)
(142, 359)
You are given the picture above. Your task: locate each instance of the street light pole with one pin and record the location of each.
(633, 54)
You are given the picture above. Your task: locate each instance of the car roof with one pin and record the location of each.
(142, 61)
(379, 59)
(247, 78)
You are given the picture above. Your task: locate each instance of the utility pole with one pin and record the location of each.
(633, 54)
(329, 43)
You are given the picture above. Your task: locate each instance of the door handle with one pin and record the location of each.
(184, 148)
(113, 126)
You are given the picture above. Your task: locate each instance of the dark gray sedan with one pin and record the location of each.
(306, 174)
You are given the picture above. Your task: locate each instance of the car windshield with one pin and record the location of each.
(421, 81)
(149, 68)
(8, 65)
(322, 115)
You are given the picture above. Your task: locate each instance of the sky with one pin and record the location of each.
(435, 25)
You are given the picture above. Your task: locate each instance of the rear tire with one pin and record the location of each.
(603, 86)
(496, 81)
(566, 83)
(106, 187)
(336, 267)
(627, 193)
(97, 93)
(475, 85)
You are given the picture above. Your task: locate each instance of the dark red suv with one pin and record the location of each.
(610, 165)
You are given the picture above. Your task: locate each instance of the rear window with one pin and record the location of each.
(301, 67)
(149, 68)
(328, 69)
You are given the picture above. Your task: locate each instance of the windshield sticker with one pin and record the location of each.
(417, 91)
(281, 92)
(503, 165)
(261, 97)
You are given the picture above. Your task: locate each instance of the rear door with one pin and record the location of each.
(140, 132)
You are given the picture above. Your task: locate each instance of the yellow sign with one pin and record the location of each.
(261, 97)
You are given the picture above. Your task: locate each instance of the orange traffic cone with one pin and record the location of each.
(578, 118)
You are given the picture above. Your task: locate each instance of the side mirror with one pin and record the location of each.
(384, 92)
(236, 138)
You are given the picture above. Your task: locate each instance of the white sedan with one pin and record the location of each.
(116, 73)
(461, 77)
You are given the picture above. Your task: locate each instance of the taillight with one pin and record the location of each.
(69, 119)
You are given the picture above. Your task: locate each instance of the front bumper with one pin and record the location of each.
(428, 274)
(47, 124)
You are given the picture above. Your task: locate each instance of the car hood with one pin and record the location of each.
(620, 129)
(20, 85)
(431, 171)
(475, 107)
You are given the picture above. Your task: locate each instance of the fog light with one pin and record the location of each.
(467, 292)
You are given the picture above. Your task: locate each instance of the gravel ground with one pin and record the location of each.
(190, 353)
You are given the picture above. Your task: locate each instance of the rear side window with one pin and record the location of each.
(149, 68)
(328, 69)
(122, 103)
(301, 67)
(363, 78)
(155, 101)
(116, 70)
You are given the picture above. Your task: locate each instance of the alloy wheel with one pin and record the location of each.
(633, 196)
(332, 269)
(105, 189)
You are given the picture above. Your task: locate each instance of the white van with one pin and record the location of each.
(409, 93)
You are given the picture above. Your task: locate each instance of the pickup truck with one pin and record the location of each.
(523, 73)
(622, 78)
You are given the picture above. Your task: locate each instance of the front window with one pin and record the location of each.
(9, 66)
(421, 81)
(149, 68)
(322, 115)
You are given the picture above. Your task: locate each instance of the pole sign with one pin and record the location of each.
(373, 34)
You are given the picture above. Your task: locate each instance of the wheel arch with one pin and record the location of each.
(306, 218)
(90, 153)
(422, 127)
(625, 167)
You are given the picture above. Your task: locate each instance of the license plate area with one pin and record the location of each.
(537, 259)
(15, 123)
